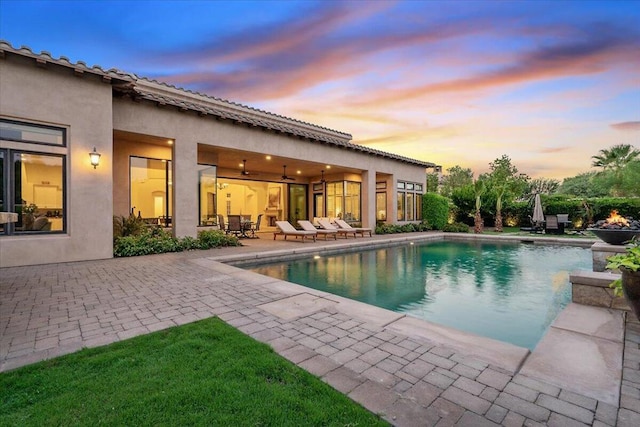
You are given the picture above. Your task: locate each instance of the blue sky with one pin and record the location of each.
(452, 82)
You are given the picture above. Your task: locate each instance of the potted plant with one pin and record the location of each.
(629, 282)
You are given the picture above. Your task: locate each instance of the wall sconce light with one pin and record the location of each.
(322, 179)
(95, 158)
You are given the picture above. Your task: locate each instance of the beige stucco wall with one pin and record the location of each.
(188, 130)
(82, 105)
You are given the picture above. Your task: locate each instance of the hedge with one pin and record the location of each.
(435, 210)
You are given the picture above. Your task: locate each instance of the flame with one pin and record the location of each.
(616, 219)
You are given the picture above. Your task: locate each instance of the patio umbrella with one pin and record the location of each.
(538, 215)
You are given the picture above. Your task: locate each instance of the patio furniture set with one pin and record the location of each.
(240, 226)
(552, 224)
(326, 229)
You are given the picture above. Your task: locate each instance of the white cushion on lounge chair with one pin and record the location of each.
(324, 223)
(289, 230)
(306, 225)
(345, 225)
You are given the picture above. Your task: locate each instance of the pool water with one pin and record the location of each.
(506, 291)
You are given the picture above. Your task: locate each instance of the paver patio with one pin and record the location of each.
(409, 378)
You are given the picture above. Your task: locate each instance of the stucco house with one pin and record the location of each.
(171, 156)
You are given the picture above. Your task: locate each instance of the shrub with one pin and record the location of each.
(404, 228)
(128, 226)
(157, 241)
(456, 227)
(435, 210)
(215, 238)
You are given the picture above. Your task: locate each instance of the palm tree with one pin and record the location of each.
(614, 160)
(479, 189)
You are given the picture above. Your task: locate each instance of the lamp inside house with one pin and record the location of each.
(95, 158)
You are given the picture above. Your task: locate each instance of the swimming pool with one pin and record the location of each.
(507, 291)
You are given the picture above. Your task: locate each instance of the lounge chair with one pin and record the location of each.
(286, 229)
(306, 225)
(345, 226)
(324, 223)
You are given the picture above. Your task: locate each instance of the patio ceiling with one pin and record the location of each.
(260, 168)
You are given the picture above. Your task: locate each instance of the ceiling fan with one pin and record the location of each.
(284, 176)
(244, 171)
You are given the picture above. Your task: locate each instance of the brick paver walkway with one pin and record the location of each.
(51, 310)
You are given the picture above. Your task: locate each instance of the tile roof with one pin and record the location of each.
(165, 94)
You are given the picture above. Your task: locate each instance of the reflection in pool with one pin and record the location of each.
(507, 291)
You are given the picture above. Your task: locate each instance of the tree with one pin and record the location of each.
(630, 185)
(479, 188)
(585, 185)
(505, 182)
(455, 178)
(616, 157)
(613, 162)
(542, 186)
(432, 183)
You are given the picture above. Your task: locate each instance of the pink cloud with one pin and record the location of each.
(551, 150)
(626, 126)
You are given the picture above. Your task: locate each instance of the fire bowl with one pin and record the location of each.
(614, 237)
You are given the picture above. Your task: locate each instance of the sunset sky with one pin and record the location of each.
(451, 82)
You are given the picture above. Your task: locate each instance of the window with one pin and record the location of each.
(409, 201)
(207, 195)
(31, 133)
(343, 200)
(335, 199)
(352, 202)
(151, 189)
(410, 210)
(381, 206)
(32, 183)
(401, 206)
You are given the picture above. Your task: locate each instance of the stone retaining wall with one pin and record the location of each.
(592, 288)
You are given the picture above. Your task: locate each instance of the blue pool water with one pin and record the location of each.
(507, 291)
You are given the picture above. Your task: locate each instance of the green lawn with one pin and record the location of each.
(204, 373)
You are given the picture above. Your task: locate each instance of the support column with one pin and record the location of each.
(369, 199)
(392, 200)
(185, 184)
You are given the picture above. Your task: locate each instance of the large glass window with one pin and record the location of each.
(36, 192)
(207, 187)
(381, 206)
(33, 184)
(410, 211)
(343, 200)
(409, 201)
(335, 199)
(352, 202)
(401, 206)
(151, 189)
